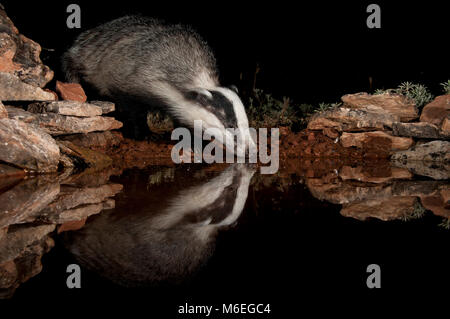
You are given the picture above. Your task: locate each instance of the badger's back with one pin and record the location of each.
(139, 56)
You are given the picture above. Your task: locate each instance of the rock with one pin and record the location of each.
(71, 108)
(445, 127)
(420, 130)
(27, 146)
(95, 140)
(434, 151)
(19, 114)
(90, 157)
(56, 124)
(13, 89)
(25, 200)
(384, 140)
(394, 104)
(385, 209)
(437, 110)
(20, 55)
(346, 119)
(6, 170)
(435, 170)
(3, 232)
(72, 225)
(107, 107)
(71, 91)
(3, 112)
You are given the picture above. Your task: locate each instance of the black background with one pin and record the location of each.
(310, 52)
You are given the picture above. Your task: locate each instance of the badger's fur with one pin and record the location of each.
(141, 62)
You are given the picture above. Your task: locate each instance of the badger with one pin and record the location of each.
(143, 63)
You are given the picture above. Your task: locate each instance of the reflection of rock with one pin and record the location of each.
(394, 104)
(20, 256)
(25, 200)
(384, 140)
(87, 156)
(381, 193)
(74, 203)
(165, 238)
(385, 209)
(345, 119)
(19, 237)
(6, 170)
(434, 151)
(438, 202)
(437, 110)
(439, 171)
(28, 147)
(359, 174)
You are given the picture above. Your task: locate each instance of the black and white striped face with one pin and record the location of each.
(222, 108)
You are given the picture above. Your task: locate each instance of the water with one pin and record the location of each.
(210, 235)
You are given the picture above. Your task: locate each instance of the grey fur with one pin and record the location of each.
(132, 53)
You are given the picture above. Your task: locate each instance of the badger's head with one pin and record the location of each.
(222, 109)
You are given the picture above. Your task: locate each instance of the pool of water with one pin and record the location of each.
(165, 236)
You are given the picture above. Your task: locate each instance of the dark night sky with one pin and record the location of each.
(312, 53)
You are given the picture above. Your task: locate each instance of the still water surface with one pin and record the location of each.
(164, 236)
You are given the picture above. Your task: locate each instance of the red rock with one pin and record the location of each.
(72, 225)
(71, 91)
(437, 110)
(445, 127)
(19, 55)
(3, 112)
(395, 104)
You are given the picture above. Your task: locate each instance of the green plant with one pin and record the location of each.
(417, 92)
(446, 87)
(418, 212)
(445, 223)
(326, 106)
(264, 110)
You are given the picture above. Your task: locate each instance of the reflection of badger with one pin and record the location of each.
(168, 242)
(143, 62)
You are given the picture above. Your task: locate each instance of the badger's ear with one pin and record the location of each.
(202, 96)
(234, 88)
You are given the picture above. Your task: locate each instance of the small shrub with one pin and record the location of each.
(446, 87)
(264, 110)
(417, 92)
(445, 223)
(418, 212)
